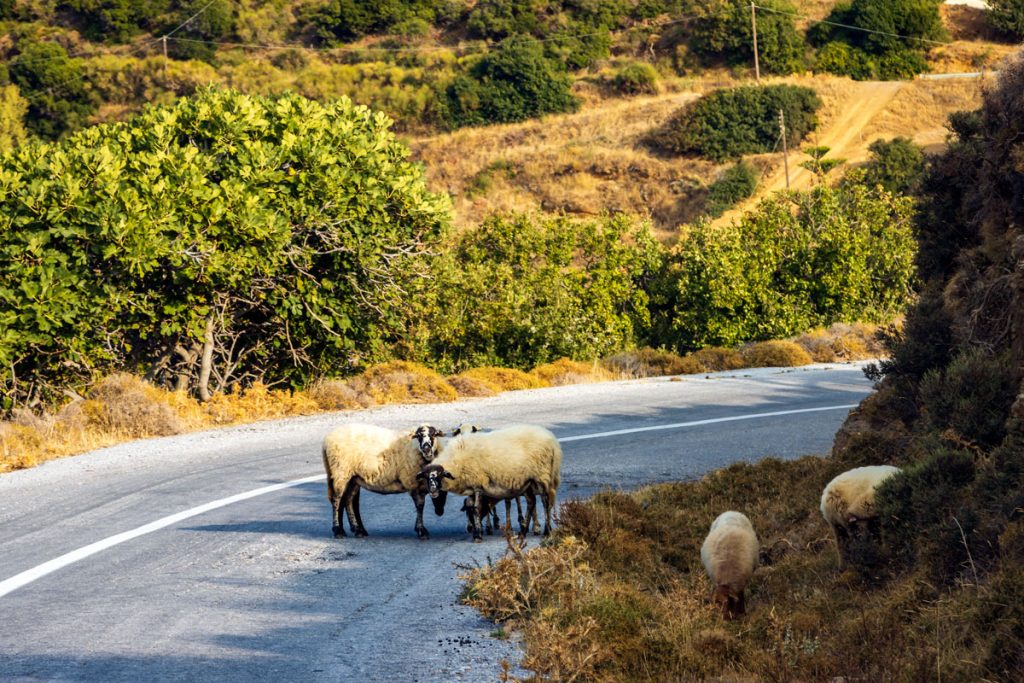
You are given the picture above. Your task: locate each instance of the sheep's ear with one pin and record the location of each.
(421, 476)
(439, 433)
(448, 475)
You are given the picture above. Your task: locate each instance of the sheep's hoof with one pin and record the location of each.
(423, 534)
(478, 539)
(338, 532)
(361, 533)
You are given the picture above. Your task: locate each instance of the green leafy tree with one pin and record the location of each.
(806, 260)
(514, 83)
(738, 182)
(732, 122)
(208, 22)
(54, 85)
(13, 108)
(1007, 16)
(897, 165)
(223, 239)
(522, 290)
(724, 32)
(116, 20)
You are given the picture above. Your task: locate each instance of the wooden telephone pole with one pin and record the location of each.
(785, 145)
(753, 23)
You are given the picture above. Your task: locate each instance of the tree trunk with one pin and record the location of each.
(206, 366)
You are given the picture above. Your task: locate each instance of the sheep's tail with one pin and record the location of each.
(556, 466)
(331, 493)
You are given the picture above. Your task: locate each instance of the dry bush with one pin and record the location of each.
(257, 403)
(334, 394)
(775, 354)
(126, 405)
(717, 358)
(468, 387)
(565, 371)
(648, 362)
(504, 379)
(401, 382)
(841, 341)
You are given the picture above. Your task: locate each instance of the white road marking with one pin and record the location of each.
(28, 576)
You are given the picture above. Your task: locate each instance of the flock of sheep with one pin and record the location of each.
(526, 460)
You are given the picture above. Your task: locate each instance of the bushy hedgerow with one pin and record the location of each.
(833, 254)
(347, 20)
(897, 165)
(724, 32)
(734, 185)
(636, 78)
(513, 83)
(729, 123)
(522, 290)
(1007, 16)
(271, 237)
(53, 84)
(891, 45)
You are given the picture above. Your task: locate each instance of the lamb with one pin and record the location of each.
(729, 555)
(848, 503)
(502, 464)
(384, 461)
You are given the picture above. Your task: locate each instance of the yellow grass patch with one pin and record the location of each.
(400, 381)
(718, 358)
(565, 371)
(648, 362)
(497, 380)
(775, 354)
(841, 342)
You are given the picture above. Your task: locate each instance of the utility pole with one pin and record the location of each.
(753, 23)
(164, 40)
(785, 145)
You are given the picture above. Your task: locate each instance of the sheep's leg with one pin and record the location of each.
(531, 513)
(361, 530)
(337, 528)
(508, 514)
(519, 516)
(549, 507)
(494, 516)
(842, 539)
(419, 499)
(477, 524)
(344, 502)
(348, 500)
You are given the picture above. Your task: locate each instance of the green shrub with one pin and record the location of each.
(730, 123)
(13, 108)
(53, 84)
(843, 59)
(1007, 16)
(514, 83)
(724, 32)
(280, 230)
(843, 254)
(897, 165)
(737, 183)
(214, 21)
(636, 78)
(116, 20)
(522, 290)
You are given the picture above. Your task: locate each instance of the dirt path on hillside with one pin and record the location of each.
(844, 138)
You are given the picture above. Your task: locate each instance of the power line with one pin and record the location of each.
(184, 23)
(853, 28)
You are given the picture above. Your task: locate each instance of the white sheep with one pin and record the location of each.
(848, 502)
(360, 456)
(501, 464)
(729, 555)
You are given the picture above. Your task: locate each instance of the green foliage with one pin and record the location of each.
(636, 78)
(732, 122)
(280, 231)
(724, 32)
(734, 185)
(818, 164)
(843, 254)
(513, 83)
(197, 39)
(897, 165)
(895, 34)
(1007, 16)
(522, 290)
(53, 83)
(13, 108)
(347, 20)
(116, 20)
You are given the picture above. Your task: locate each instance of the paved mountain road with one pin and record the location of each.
(258, 589)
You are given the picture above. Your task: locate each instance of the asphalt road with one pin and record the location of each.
(258, 588)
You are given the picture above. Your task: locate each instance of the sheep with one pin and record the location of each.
(504, 463)
(491, 504)
(384, 461)
(729, 555)
(848, 502)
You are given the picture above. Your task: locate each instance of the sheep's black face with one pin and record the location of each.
(465, 429)
(426, 437)
(439, 501)
(434, 475)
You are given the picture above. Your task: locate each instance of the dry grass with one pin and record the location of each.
(619, 594)
(717, 358)
(648, 362)
(841, 342)
(487, 381)
(565, 371)
(401, 382)
(775, 354)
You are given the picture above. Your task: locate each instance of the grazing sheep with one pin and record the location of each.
(729, 555)
(848, 503)
(360, 456)
(501, 464)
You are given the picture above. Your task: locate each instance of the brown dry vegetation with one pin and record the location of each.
(619, 592)
(123, 407)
